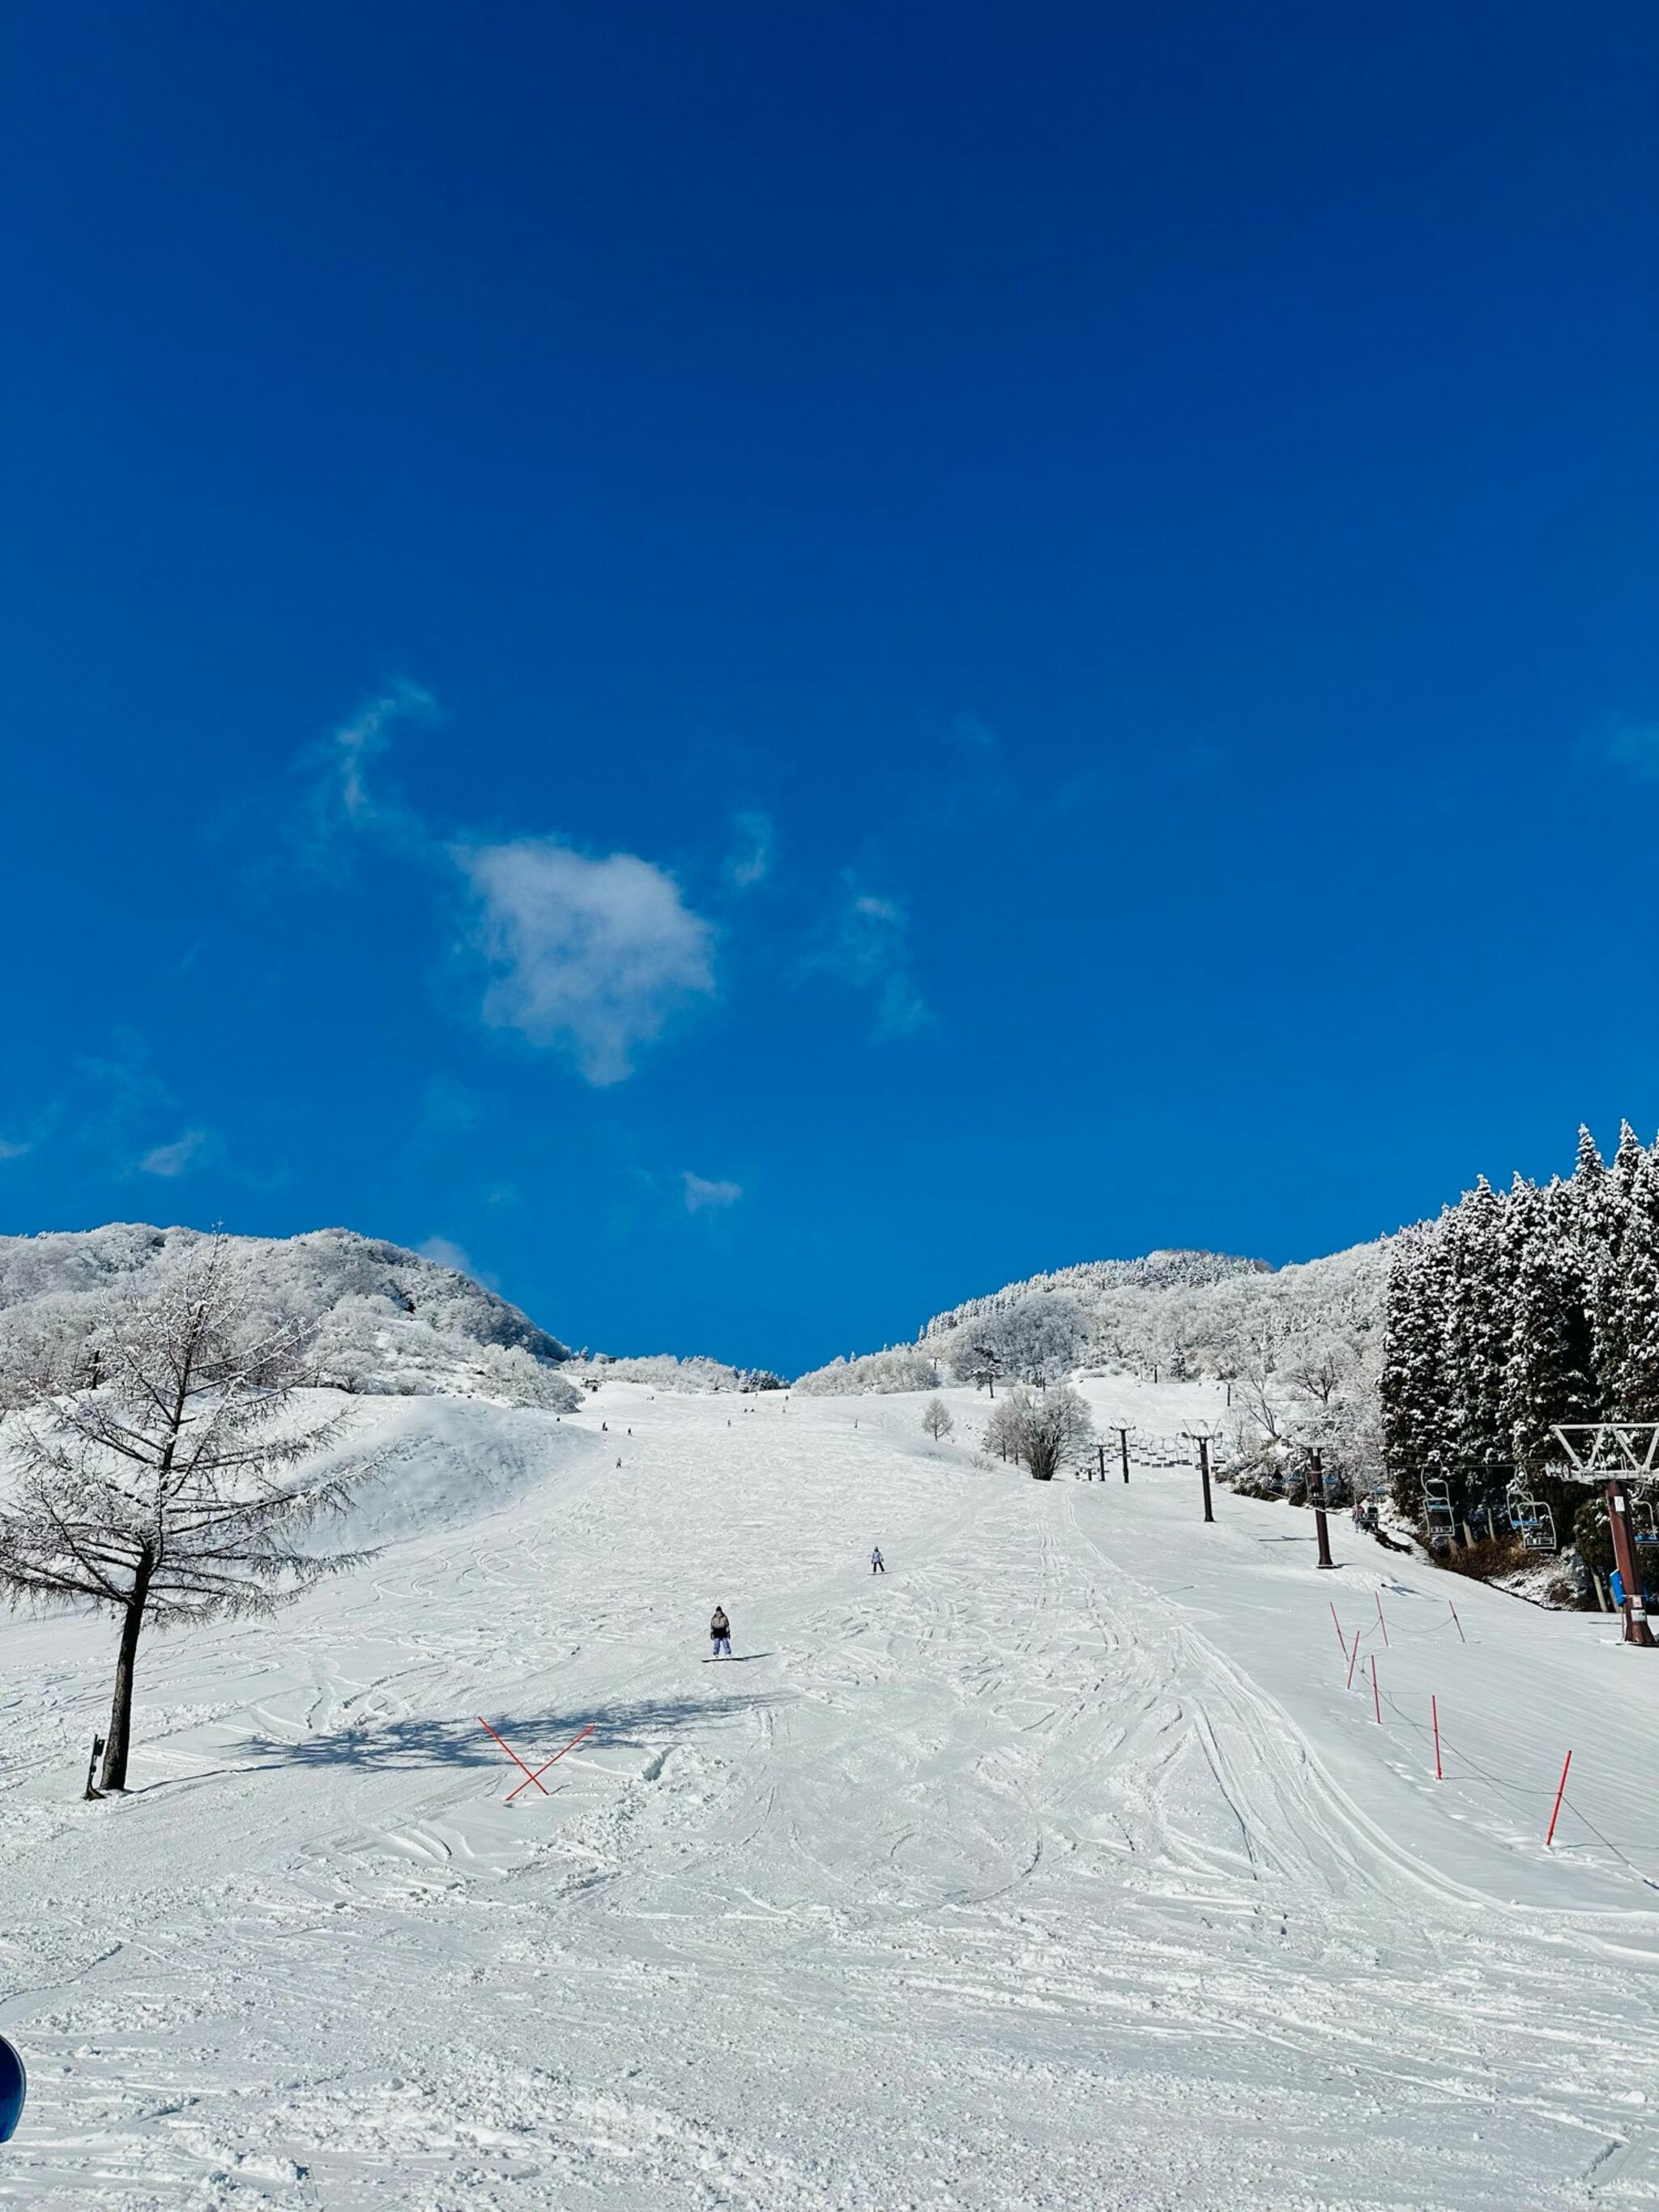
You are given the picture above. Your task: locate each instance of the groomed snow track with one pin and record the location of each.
(1055, 1868)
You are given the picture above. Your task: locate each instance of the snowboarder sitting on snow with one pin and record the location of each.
(721, 1629)
(878, 1564)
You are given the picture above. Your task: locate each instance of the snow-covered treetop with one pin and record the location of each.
(1180, 1313)
(1154, 1271)
(379, 1319)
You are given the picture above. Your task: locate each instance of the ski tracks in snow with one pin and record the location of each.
(989, 1868)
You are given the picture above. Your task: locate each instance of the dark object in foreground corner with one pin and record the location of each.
(13, 2083)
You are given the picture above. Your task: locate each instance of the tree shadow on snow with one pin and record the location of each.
(417, 1742)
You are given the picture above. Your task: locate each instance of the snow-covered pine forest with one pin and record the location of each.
(1514, 1311)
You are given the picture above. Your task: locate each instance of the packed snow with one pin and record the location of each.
(1057, 1867)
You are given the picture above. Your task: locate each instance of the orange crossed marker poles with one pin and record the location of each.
(535, 1777)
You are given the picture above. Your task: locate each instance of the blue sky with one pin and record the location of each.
(766, 666)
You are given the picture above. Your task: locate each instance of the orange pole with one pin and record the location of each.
(537, 1777)
(1560, 1795)
(511, 1754)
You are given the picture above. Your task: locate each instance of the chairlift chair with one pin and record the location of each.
(1533, 1520)
(1439, 1515)
(1643, 1527)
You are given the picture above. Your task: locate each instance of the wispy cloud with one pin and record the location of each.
(1631, 745)
(592, 956)
(866, 947)
(176, 1159)
(972, 735)
(750, 862)
(342, 802)
(702, 1196)
(444, 1252)
(9, 1151)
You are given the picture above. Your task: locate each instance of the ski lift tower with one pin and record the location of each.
(1611, 1452)
(1204, 1439)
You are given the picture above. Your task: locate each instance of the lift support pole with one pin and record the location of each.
(1636, 1630)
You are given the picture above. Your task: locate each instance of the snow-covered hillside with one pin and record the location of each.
(384, 1321)
(1301, 1346)
(1056, 1868)
(1181, 1313)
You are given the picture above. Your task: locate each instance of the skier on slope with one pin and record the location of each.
(720, 1628)
(878, 1564)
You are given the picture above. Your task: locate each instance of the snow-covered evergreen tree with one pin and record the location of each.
(1633, 1395)
(1478, 1342)
(1547, 1377)
(1413, 1388)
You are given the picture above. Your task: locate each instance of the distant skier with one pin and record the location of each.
(720, 1628)
(878, 1564)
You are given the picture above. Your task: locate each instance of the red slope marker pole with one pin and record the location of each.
(557, 1756)
(1340, 1637)
(511, 1754)
(1353, 1660)
(1434, 1715)
(1376, 1695)
(1457, 1624)
(1560, 1795)
(1381, 1617)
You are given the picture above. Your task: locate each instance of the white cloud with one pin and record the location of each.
(10, 1152)
(174, 1159)
(752, 857)
(592, 956)
(867, 946)
(444, 1252)
(702, 1196)
(340, 799)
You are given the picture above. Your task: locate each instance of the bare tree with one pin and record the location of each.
(937, 1421)
(1001, 1431)
(1254, 1385)
(161, 1475)
(1320, 1370)
(1042, 1431)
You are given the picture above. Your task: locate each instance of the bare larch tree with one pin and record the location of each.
(938, 1421)
(162, 1473)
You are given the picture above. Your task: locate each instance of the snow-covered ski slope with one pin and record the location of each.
(1055, 1868)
